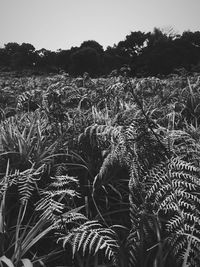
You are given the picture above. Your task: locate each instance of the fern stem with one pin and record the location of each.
(187, 253)
(98, 211)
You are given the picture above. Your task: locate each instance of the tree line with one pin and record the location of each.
(152, 53)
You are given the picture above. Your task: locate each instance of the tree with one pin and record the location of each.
(63, 59)
(133, 44)
(27, 55)
(46, 59)
(93, 44)
(20, 56)
(86, 59)
(11, 48)
(191, 37)
(157, 36)
(4, 59)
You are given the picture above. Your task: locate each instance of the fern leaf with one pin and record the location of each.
(92, 237)
(50, 205)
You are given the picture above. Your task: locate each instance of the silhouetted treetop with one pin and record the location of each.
(134, 43)
(86, 59)
(93, 44)
(159, 52)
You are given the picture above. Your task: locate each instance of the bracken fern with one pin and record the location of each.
(51, 205)
(91, 237)
(172, 191)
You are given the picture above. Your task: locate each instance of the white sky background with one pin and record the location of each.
(54, 24)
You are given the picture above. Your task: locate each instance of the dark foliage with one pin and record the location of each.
(152, 53)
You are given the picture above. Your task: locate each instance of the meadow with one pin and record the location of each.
(99, 172)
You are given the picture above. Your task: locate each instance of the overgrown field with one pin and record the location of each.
(99, 172)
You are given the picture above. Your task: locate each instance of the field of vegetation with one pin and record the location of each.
(99, 172)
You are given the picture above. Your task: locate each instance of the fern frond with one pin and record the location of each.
(51, 205)
(172, 188)
(92, 237)
(73, 217)
(27, 181)
(8, 180)
(98, 134)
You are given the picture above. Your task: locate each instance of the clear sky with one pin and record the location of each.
(55, 24)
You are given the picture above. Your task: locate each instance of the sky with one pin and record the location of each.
(61, 24)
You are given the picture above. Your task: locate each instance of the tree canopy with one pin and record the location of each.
(152, 53)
